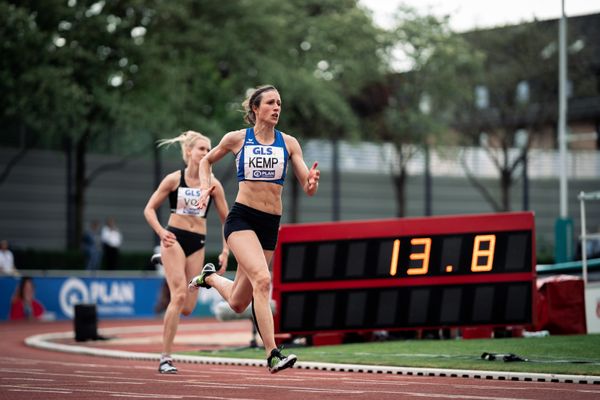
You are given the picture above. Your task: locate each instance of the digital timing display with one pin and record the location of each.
(405, 273)
(498, 252)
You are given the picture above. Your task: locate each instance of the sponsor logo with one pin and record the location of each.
(192, 192)
(263, 174)
(111, 297)
(261, 150)
(72, 292)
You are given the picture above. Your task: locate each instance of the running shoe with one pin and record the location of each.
(167, 367)
(200, 280)
(277, 361)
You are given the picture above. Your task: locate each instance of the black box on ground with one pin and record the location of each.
(85, 322)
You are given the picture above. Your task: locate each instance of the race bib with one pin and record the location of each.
(188, 202)
(263, 163)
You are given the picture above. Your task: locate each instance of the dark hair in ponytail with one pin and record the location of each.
(253, 100)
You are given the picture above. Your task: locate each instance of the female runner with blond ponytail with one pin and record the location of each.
(182, 240)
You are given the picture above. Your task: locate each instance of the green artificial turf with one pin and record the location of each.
(577, 354)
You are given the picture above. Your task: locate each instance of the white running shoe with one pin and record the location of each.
(167, 367)
(277, 361)
(200, 280)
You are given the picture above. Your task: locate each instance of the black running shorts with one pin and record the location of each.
(244, 218)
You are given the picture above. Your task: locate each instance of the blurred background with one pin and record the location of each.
(410, 112)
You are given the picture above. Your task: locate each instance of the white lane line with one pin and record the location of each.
(115, 393)
(517, 386)
(27, 379)
(179, 378)
(308, 391)
(221, 386)
(22, 371)
(96, 372)
(140, 396)
(262, 378)
(456, 396)
(291, 388)
(482, 387)
(41, 391)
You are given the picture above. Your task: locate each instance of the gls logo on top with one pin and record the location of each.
(110, 297)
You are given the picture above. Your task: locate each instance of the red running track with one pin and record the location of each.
(30, 373)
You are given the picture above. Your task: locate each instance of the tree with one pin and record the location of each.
(37, 95)
(299, 46)
(516, 96)
(74, 64)
(423, 98)
(149, 68)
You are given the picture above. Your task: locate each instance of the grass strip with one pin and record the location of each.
(573, 355)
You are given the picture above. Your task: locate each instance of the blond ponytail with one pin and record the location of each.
(187, 140)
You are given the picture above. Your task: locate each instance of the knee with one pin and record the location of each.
(239, 307)
(178, 299)
(187, 310)
(189, 305)
(262, 285)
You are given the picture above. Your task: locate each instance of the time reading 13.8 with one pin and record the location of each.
(399, 257)
(482, 259)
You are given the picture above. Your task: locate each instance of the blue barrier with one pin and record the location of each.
(7, 288)
(568, 267)
(130, 297)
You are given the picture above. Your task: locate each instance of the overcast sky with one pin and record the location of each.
(471, 14)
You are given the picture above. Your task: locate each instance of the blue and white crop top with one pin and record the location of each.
(260, 162)
(185, 200)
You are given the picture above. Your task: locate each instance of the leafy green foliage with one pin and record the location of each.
(438, 63)
(437, 66)
(35, 89)
(520, 79)
(89, 69)
(113, 76)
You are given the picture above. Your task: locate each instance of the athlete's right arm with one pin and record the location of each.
(228, 143)
(157, 198)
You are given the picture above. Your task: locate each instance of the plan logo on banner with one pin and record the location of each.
(112, 298)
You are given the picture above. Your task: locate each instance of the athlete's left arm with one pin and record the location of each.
(218, 196)
(308, 178)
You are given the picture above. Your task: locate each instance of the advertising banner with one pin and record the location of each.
(133, 297)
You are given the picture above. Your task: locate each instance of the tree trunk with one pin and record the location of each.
(506, 183)
(13, 161)
(428, 186)
(70, 211)
(335, 178)
(399, 185)
(80, 185)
